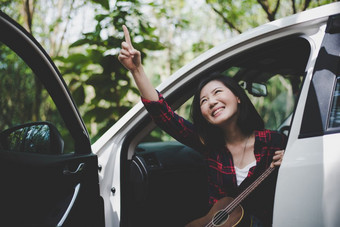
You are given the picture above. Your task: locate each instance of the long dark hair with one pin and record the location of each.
(248, 119)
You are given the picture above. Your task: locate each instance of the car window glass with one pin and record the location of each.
(23, 99)
(334, 120)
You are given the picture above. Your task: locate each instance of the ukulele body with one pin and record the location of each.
(237, 217)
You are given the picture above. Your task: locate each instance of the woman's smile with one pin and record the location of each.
(217, 111)
(218, 103)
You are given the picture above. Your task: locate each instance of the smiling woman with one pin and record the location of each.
(226, 129)
(173, 183)
(280, 55)
(216, 92)
(238, 115)
(268, 67)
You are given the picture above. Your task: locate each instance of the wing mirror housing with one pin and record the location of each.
(36, 137)
(256, 89)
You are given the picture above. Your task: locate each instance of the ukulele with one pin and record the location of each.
(228, 212)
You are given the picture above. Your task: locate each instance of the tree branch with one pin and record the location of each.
(293, 6)
(65, 29)
(229, 23)
(307, 2)
(276, 8)
(265, 6)
(28, 9)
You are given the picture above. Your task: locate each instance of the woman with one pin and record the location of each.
(226, 129)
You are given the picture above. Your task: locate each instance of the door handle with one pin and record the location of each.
(80, 167)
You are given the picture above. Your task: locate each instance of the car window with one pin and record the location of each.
(275, 108)
(334, 120)
(279, 103)
(279, 65)
(23, 98)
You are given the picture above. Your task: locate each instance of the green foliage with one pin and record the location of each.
(5, 3)
(238, 15)
(100, 85)
(12, 8)
(103, 3)
(21, 96)
(98, 82)
(17, 89)
(243, 15)
(278, 104)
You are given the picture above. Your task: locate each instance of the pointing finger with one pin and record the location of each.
(127, 35)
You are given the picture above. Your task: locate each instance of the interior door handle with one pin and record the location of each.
(78, 170)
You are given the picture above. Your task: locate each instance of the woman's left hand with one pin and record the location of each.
(277, 158)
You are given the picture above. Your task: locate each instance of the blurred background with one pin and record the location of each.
(84, 37)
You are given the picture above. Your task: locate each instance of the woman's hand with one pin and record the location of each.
(131, 60)
(128, 56)
(277, 158)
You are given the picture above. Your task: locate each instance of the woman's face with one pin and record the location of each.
(219, 105)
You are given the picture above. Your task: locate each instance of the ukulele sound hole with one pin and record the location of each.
(220, 218)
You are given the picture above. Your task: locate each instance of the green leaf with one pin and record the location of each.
(104, 3)
(73, 82)
(101, 17)
(123, 91)
(96, 55)
(100, 114)
(151, 45)
(96, 80)
(77, 58)
(80, 42)
(110, 63)
(79, 95)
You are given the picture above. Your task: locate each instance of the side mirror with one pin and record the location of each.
(256, 89)
(36, 137)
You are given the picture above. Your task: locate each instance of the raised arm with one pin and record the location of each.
(131, 60)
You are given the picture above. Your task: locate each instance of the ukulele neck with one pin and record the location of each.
(250, 188)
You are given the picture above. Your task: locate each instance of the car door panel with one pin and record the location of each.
(48, 189)
(305, 194)
(40, 189)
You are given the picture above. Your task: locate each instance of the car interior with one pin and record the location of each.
(165, 182)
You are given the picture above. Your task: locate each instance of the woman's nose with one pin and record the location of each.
(212, 102)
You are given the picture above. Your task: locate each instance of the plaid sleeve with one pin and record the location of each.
(271, 142)
(213, 192)
(173, 124)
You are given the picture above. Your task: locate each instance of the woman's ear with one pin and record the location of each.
(238, 100)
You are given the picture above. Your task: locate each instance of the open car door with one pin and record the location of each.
(307, 192)
(49, 175)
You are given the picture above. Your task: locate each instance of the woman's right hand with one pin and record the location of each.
(128, 56)
(277, 158)
(131, 60)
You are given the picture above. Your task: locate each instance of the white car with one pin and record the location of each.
(290, 69)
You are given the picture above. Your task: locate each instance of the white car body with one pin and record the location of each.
(309, 177)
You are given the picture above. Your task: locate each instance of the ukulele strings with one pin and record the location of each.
(224, 212)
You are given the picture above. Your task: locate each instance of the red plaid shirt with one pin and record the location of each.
(221, 171)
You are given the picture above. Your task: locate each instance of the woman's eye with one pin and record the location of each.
(218, 91)
(203, 101)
